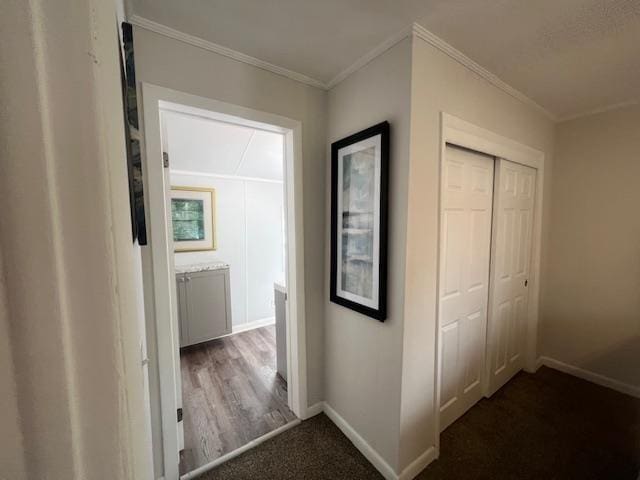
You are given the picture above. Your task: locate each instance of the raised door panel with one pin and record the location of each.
(465, 236)
(207, 306)
(450, 368)
(511, 256)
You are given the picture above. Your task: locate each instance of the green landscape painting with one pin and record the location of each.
(188, 219)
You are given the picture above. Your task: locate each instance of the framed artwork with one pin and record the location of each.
(132, 136)
(193, 219)
(359, 205)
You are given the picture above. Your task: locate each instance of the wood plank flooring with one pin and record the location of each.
(231, 395)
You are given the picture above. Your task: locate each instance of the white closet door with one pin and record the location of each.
(465, 236)
(511, 259)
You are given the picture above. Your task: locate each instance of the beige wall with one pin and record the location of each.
(363, 357)
(67, 242)
(591, 297)
(380, 376)
(440, 84)
(173, 64)
(12, 466)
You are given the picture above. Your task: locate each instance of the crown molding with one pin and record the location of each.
(219, 49)
(419, 31)
(369, 56)
(598, 110)
(435, 41)
(415, 30)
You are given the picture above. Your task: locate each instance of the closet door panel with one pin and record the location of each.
(465, 237)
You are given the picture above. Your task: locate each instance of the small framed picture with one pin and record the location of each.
(359, 199)
(193, 218)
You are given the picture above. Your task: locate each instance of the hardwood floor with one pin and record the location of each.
(231, 395)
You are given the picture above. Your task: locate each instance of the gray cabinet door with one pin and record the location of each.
(182, 307)
(281, 332)
(208, 311)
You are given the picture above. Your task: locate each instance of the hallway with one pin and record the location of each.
(543, 426)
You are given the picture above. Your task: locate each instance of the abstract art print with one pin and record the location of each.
(359, 180)
(193, 219)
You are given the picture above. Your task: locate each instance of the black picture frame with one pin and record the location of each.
(132, 135)
(378, 312)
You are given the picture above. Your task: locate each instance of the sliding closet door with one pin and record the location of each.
(511, 259)
(465, 237)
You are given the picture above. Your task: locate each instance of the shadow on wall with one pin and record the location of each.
(620, 361)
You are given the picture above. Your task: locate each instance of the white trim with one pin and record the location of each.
(161, 29)
(418, 31)
(538, 364)
(408, 473)
(462, 133)
(238, 451)
(361, 444)
(598, 110)
(224, 177)
(369, 56)
(154, 98)
(419, 464)
(590, 376)
(435, 41)
(245, 327)
(190, 112)
(164, 295)
(313, 410)
(247, 289)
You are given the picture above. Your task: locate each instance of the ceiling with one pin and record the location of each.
(569, 56)
(207, 146)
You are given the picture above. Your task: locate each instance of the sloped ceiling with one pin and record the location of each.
(206, 146)
(570, 56)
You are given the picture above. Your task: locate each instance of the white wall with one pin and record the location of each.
(173, 64)
(68, 262)
(363, 358)
(441, 84)
(591, 297)
(250, 238)
(380, 377)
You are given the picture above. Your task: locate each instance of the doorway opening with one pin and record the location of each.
(225, 278)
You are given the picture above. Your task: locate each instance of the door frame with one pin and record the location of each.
(465, 134)
(160, 277)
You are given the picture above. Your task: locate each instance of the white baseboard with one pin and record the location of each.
(313, 410)
(360, 443)
(243, 327)
(419, 464)
(413, 469)
(590, 376)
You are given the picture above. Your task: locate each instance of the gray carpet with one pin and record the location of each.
(543, 426)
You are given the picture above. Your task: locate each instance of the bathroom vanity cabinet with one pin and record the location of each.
(204, 303)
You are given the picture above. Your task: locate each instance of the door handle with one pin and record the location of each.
(526, 282)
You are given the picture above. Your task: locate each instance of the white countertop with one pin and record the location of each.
(201, 267)
(279, 286)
